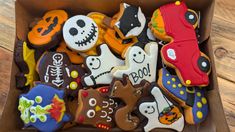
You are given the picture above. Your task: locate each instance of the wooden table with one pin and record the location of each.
(223, 37)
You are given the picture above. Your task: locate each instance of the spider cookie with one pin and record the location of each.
(192, 99)
(47, 32)
(100, 67)
(139, 64)
(43, 107)
(24, 59)
(95, 108)
(175, 23)
(129, 94)
(161, 113)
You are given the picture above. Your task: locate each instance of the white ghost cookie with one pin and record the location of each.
(139, 64)
(161, 113)
(100, 67)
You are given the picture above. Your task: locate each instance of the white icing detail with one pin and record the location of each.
(90, 113)
(109, 119)
(204, 64)
(111, 101)
(150, 35)
(106, 104)
(92, 101)
(126, 5)
(67, 71)
(110, 110)
(171, 54)
(105, 114)
(117, 24)
(132, 24)
(191, 16)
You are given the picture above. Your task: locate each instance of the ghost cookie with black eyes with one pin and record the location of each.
(81, 34)
(100, 67)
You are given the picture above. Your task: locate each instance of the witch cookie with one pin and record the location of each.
(74, 57)
(161, 113)
(129, 94)
(24, 59)
(43, 107)
(95, 108)
(100, 67)
(46, 33)
(191, 98)
(139, 64)
(50, 67)
(175, 23)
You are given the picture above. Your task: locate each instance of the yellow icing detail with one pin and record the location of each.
(177, 3)
(167, 74)
(199, 104)
(199, 94)
(28, 56)
(73, 85)
(199, 115)
(181, 92)
(97, 108)
(188, 82)
(204, 101)
(180, 85)
(174, 86)
(74, 74)
(168, 82)
(173, 79)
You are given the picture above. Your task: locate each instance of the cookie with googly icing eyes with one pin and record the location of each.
(100, 67)
(95, 108)
(192, 99)
(139, 64)
(161, 113)
(43, 107)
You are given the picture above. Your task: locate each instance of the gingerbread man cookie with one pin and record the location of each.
(139, 64)
(100, 67)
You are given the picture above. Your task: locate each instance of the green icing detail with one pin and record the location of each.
(38, 99)
(154, 23)
(40, 112)
(24, 106)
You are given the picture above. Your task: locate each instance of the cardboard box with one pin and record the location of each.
(26, 10)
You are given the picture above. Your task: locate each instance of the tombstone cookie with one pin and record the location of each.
(175, 23)
(100, 67)
(95, 108)
(191, 98)
(47, 32)
(161, 113)
(43, 107)
(139, 64)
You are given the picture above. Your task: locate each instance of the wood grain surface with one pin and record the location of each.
(223, 39)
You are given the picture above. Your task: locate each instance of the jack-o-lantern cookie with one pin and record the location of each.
(191, 98)
(24, 59)
(139, 64)
(100, 67)
(161, 113)
(43, 107)
(95, 108)
(175, 23)
(129, 94)
(46, 33)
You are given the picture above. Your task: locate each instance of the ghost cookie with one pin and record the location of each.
(192, 99)
(95, 108)
(139, 64)
(46, 33)
(43, 107)
(129, 94)
(161, 113)
(81, 34)
(100, 67)
(50, 67)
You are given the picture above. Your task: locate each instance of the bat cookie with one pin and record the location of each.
(100, 67)
(176, 24)
(191, 98)
(43, 107)
(161, 113)
(139, 64)
(95, 108)
(46, 33)
(129, 94)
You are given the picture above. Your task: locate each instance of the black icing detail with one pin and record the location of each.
(95, 68)
(191, 21)
(51, 26)
(101, 74)
(39, 30)
(73, 31)
(203, 64)
(81, 23)
(48, 19)
(190, 96)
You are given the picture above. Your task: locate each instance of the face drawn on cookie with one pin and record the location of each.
(131, 21)
(100, 67)
(158, 112)
(95, 108)
(80, 33)
(139, 64)
(192, 99)
(43, 107)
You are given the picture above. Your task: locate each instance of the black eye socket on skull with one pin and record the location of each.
(73, 31)
(81, 23)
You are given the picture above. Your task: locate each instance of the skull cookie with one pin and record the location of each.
(80, 33)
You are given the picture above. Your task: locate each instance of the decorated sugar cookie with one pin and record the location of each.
(191, 98)
(100, 67)
(95, 108)
(129, 94)
(139, 64)
(161, 113)
(47, 32)
(43, 107)
(176, 24)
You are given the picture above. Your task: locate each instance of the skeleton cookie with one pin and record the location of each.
(139, 64)
(100, 67)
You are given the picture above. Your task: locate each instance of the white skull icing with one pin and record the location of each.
(80, 33)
